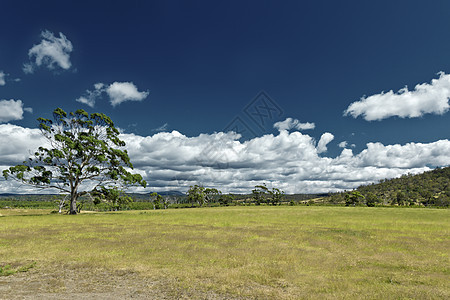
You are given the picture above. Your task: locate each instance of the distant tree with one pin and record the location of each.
(443, 200)
(165, 202)
(427, 196)
(400, 198)
(276, 195)
(115, 198)
(353, 198)
(159, 201)
(336, 198)
(429, 188)
(201, 195)
(226, 200)
(262, 194)
(259, 194)
(211, 194)
(83, 154)
(371, 199)
(196, 194)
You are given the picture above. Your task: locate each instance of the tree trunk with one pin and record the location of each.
(73, 204)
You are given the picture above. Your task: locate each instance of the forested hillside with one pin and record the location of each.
(429, 189)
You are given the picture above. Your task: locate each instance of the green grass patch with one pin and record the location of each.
(251, 252)
(9, 269)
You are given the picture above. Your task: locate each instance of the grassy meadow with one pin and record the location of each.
(283, 252)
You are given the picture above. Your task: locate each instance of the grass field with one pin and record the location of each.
(232, 252)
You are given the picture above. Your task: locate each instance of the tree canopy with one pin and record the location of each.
(83, 154)
(262, 194)
(201, 195)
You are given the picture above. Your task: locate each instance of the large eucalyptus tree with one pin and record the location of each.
(83, 154)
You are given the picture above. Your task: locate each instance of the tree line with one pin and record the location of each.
(430, 188)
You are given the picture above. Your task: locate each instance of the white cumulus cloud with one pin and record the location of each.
(51, 52)
(124, 91)
(117, 92)
(344, 144)
(325, 139)
(426, 98)
(17, 142)
(290, 123)
(406, 156)
(11, 110)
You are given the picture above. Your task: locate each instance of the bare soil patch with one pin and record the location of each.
(78, 282)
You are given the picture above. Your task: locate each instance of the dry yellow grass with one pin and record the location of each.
(241, 252)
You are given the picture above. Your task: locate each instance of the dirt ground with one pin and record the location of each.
(86, 283)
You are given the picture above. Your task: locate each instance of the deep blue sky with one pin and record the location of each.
(202, 62)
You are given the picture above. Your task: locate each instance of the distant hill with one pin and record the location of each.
(431, 188)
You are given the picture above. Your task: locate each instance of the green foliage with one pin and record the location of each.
(262, 194)
(353, 198)
(226, 200)
(259, 194)
(201, 195)
(371, 199)
(159, 202)
(196, 194)
(427, 189)
(276, 195)
(115, 198)
(82, 149)
(212, 195)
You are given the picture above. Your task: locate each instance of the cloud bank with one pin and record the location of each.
(289, 160)
(52, 52)
(118, 92)
(424, 99)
